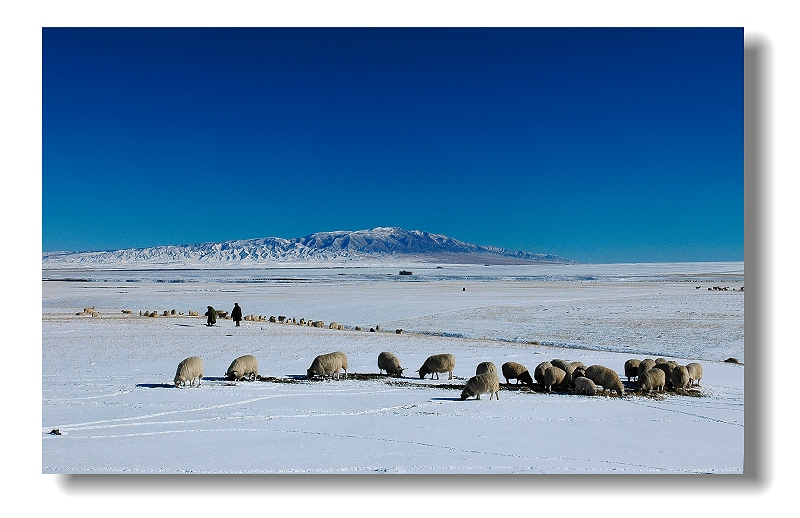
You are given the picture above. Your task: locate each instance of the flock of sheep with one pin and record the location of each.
(651, 375)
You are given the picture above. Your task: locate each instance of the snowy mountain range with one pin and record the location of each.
(382, 245)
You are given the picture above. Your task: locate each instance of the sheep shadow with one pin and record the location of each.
(155, 385)
(446, 399)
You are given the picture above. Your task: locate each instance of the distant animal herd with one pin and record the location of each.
(651, 375)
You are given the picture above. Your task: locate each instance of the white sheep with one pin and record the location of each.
(188, 370)
(653, 379)
(646, 365)
(328, 365)
(667, 368)
(436, 364)
(482, 384)
(606, 378)
(553, 376)
(243, 367)
(517, 371)
(695, 373)
(585, 386)
(561, 364)
(632, 368)
(390, 363)
(680, 378)
(485, 367)
(538, 372)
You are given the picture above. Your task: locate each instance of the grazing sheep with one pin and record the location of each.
(517, 371)
(127, 311)
(485, 367)
(561, 364)
(585, 386)
(318, 323)
(188, 370)
(667, 368)
(646, 365)
(660, 360)
(243, 367)
(388, 362)
(538, 372)
(553, 376)
(680, 378)
(695, 373)
(632, 368)
(482, 384)
(606, 378)
(358, 328)
(578, 365)
(436, 364)
(732, 360)
(333, 325)
(328, 365)
(651, 380)
(398, 331)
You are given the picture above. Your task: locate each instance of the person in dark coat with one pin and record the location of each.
(212, 316)
(236, 313)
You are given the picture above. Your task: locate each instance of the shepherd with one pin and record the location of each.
(212, 316)
(236, 313)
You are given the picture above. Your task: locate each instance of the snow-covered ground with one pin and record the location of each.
(107, 379)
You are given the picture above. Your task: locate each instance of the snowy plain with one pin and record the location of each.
(107, 380)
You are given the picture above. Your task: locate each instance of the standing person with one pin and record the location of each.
(236, 313)
(212, 316)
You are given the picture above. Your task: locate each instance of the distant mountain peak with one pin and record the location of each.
(380, 245)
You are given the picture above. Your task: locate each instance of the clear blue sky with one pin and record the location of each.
(600, 145)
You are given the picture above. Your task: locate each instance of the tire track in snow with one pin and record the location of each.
(703, 417)
(198, 409)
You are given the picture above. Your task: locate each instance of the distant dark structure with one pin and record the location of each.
(406, 272)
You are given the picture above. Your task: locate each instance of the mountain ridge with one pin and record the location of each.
(381, 245)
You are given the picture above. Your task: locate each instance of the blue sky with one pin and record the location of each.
(600, 145)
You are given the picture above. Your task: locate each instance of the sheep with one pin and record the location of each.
(538, 372)
(646, 365)
(651, 380)
(695, 373)
(388, 362)
(517, 371)
(328, 365)
(606, 378)
(561, 364)
(553, 376)
(436, 364)
(667, 368)
(578, 365)
(485, 367)
(333, 325)
(632, 368)
(243, 367)
(585, 386)
(680, 378)
(660, 360)
(188, 370)
(482, 384)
